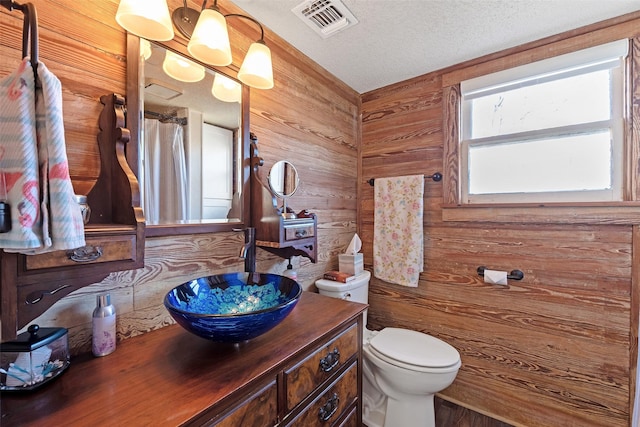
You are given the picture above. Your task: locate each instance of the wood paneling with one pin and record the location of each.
(310, 118)
(557, 348)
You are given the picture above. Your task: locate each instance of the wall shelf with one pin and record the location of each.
(285, 237)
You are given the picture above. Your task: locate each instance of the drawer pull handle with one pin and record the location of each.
(36, 296)
(329, 408)
(301, 233)
(330, 361)
(85, 254)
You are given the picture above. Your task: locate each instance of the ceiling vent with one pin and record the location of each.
(325, 17)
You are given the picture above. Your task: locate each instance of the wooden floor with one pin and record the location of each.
(451, 415)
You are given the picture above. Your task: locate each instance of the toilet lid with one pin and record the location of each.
(414, 348)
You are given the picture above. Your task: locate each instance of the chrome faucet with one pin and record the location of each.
(248, 250)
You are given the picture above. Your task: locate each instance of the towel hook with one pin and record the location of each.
(29, 31)
(10, 5)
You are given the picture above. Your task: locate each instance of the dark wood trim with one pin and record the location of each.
(134, 119)
(8, 295)
(27, 292)
(133, 102)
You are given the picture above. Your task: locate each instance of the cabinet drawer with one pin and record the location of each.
(260, 409)
(330, 405)
(350, 420)
(299, 232)
(303, 378)
(97, 250)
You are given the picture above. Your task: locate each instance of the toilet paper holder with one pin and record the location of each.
(513, 275)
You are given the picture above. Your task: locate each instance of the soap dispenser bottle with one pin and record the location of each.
(290, 272)
(104, 326)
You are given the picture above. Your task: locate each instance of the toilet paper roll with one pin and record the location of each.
(495, 277)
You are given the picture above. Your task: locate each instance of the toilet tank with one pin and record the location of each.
(356, 290)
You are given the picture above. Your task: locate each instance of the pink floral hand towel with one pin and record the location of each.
(398, 230)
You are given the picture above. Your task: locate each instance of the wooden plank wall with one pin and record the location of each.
(310, 118)
(555, 349)
(552, 350)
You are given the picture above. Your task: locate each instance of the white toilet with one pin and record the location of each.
(403, 369)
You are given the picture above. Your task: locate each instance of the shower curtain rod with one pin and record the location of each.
(166, 117)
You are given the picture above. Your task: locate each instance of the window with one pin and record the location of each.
(549, 131)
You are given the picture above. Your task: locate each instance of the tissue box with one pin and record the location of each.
(33, 358)
(351, 264)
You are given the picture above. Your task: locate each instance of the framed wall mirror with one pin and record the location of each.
(190, 140)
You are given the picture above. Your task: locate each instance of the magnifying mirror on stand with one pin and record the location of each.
(283, 182)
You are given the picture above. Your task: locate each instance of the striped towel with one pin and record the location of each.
(33, 161)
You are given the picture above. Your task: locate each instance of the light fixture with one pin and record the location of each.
(181, 68)
(210, 40)
(207, 33)
(226, 89)
(148, 19)
(256, 70)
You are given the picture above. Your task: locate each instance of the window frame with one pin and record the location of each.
(609, 213)
(608, 56)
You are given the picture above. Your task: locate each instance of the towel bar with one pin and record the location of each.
(436, 177)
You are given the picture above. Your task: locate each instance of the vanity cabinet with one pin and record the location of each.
(114, 235)
(325, 382)
(319, 390)
(332, 405)
(319, 368)
(280, 231)
(306, 369)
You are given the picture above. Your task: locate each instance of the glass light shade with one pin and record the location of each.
(145, 49)
(226, 89)
(210, 40)
(256, 70)
(148, 19)
(180, 68)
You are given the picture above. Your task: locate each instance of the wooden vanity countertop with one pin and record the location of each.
(169, 376)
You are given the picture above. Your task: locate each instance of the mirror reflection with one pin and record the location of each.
(190, 155)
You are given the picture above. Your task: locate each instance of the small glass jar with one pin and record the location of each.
(34, 358)
(84, 207)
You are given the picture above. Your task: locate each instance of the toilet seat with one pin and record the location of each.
(413, 350)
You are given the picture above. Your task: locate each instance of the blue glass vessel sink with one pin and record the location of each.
(232, 307)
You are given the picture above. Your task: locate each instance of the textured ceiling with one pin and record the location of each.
(399, 39)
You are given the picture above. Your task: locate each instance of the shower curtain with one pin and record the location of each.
(165, 173)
